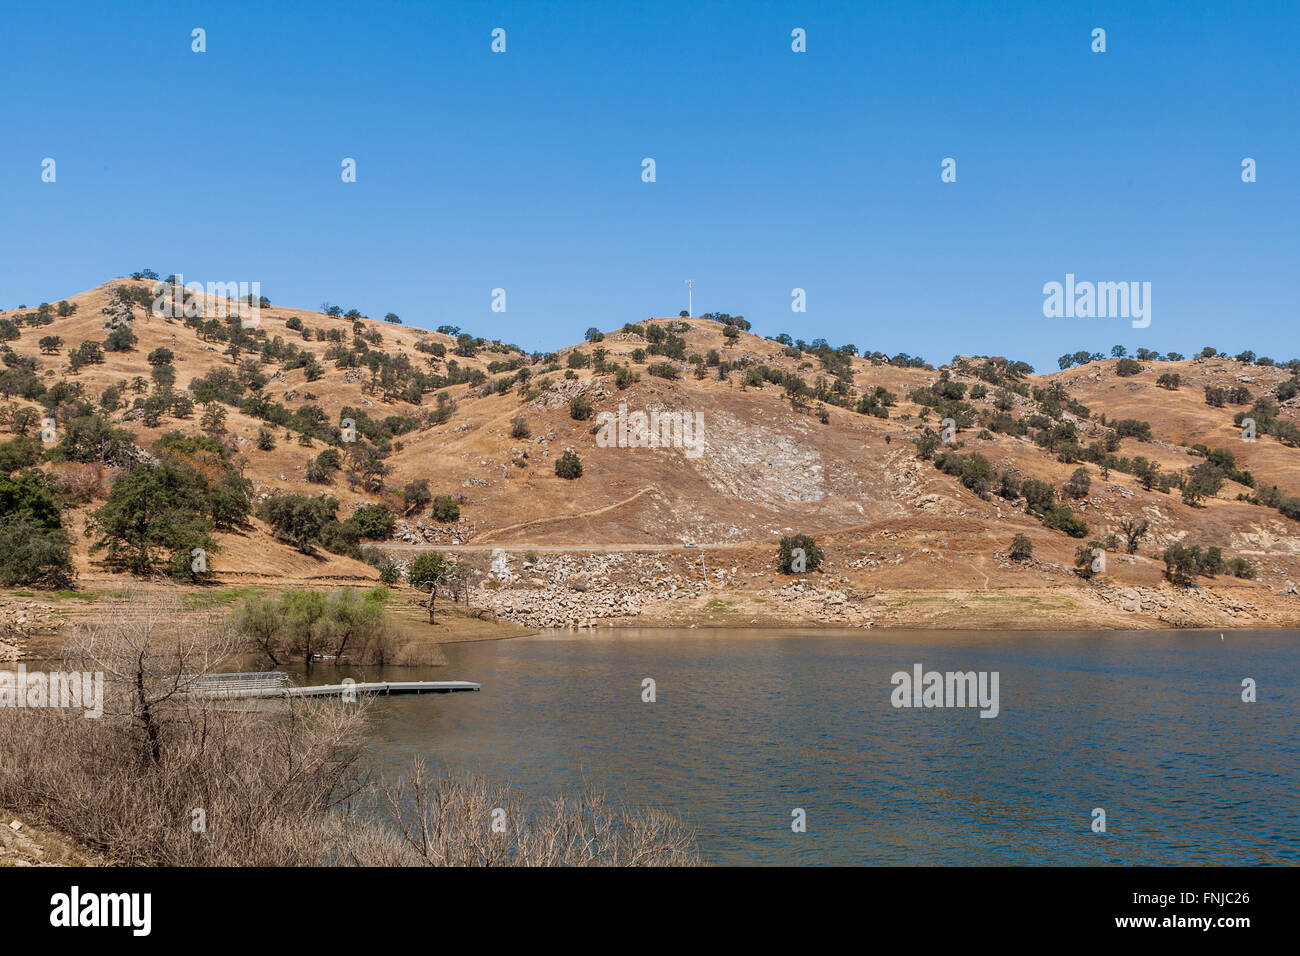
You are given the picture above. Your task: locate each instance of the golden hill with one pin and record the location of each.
(903, 539)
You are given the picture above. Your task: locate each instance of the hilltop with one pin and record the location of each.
(814, 441)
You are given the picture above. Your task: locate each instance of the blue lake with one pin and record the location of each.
(750, 725)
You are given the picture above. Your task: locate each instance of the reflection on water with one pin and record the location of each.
(1149, 726)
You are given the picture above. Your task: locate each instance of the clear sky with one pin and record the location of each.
(774, 169)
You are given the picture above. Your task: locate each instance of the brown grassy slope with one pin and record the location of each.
(767, 470)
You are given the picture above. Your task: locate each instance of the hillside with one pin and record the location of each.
(905, 542)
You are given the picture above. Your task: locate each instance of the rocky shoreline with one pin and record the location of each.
(647, 590)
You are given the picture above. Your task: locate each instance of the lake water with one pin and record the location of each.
(749, 725)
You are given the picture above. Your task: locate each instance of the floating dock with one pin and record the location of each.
(273, 685)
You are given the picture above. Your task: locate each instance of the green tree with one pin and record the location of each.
(426, 572)
(299, 520)
(580, 408)
(1022, 549)
(120, 339)
(374, 522)
(416, 495)
(1134, 530)
(1084, 555)
(812, 555)
(151, 515)
(90, 438)
(35, 549)
(568, 465)
(1180, 564)
(445, 509)
(19, 452)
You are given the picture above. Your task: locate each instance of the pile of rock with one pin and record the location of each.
(564, 390)
(1178, 605)
(804, 600)
(423, 531)
(18, 619)
(555, 607)
(567, 590)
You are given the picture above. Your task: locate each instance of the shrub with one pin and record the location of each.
(1039, 495)
(35, 549)
(580, 408)
(445, 509)
(1079, 484)
(416, 495)
(1022, 549)
(813, 555)
(1180, 564)
(1061, 518)
(318, 474)
(300, 624)
(519, 427)
(1132, 428)
(373, 522)
(1210, 562)
(568, 466)
(299, 520)
(1083, 558)
(974, 470)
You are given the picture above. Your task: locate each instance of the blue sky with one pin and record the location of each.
(775, 169)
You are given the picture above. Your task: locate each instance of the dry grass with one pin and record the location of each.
(168, 778)
(457, 821)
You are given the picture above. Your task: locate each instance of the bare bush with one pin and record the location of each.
(449, 821)
(82, 482)
(167, 776)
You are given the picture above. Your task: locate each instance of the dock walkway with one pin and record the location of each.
(273, 684)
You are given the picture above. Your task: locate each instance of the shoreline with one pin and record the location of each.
(37, 623)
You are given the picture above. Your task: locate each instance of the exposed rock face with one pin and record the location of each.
(822, 604)
(568, 591)
(576, 591)
(1180, 606)
(428, 531)
(556, 608)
